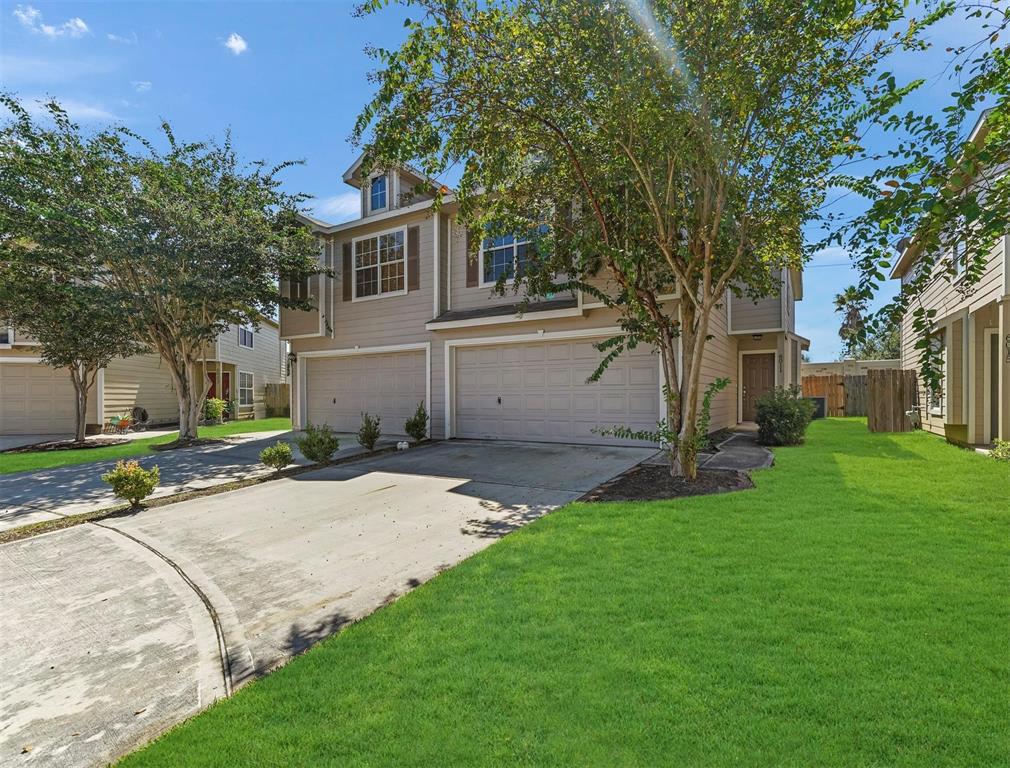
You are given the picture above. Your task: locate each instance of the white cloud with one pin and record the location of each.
(131, 39)
(337, 208)
(236, 43)
(77, 110)
(141, 86)
(30, 18)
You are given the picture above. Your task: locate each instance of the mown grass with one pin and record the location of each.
(24, 462)
(851, 610)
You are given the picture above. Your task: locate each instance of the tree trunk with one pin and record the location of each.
(79, 377)
(693, 344)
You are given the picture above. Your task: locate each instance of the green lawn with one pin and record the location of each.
(22, 462)
(851, 610)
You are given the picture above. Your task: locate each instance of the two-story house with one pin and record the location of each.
(972, 338)
(408, 317)
(38, 399)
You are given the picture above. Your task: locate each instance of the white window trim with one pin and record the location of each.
(251, 388)
(252, 337)
(368, 195)
(480, 263)
(354, 266)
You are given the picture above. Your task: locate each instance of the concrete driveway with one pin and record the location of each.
(110, 633)
(28, 497)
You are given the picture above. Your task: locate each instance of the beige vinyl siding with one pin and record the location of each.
(944, 296)
(761, 315)
(263, 361)
(720, 361)
(145, 381)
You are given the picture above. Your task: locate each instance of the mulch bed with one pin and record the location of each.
(648, 482)
(68, 445)
(191, 444)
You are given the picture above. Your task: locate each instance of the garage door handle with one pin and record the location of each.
(499, 399)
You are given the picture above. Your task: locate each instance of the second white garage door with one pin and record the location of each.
(339, 389)
(36, 399)
(538, 391)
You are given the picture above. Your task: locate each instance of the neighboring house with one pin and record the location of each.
(847, 367)
(38, 399)
(407, 317)
(973, 339)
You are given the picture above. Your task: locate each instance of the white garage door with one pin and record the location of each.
(339, 389)
(35, 399)
(538, 391)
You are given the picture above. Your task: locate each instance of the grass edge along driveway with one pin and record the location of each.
(850, 610)
(36, 460)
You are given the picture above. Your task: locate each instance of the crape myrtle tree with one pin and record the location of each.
(649, 146)
(49, 229)
(940, 191)
(187, 241)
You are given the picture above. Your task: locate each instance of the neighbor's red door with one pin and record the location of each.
(226, 389)
(758, 377)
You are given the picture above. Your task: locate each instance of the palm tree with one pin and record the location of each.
(851, 304)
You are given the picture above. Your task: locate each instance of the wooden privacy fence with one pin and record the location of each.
(277, 399)
(844, 395)
(890, 393)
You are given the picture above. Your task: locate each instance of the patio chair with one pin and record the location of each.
(140, 419)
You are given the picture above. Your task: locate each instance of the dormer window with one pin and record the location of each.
(377, 194)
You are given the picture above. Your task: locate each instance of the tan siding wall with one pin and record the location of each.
(719, 360)
(763, 314)
(944, 296)
(142, 381)
(263, 361)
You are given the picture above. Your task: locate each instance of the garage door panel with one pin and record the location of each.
(35, 399)
(390, 386)
(552, 399)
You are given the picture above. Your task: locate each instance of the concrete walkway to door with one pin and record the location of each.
(111, 633)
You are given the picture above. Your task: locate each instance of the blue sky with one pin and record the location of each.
(289, 79)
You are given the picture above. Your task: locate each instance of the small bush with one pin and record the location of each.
(318, 444)
(417, 425)
(370, 432)
(277, 456)
(1000, 450)
(213, 408)
(132, 482)
(783, 416)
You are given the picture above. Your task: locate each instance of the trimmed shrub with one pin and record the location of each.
(318, 444)
(417, 425)
(132, 482)
(783, 416)
(277, 456)
(213, 408)
(370, 431)
(1000, 450)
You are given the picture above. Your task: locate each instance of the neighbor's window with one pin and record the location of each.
(6, 337)
(937, 395)
(377, 194)
(380, 265)
(245, 388)
(245, 336)
(505, 255)
(958, 248)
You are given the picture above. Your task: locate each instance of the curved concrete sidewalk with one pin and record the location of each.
(105, 636)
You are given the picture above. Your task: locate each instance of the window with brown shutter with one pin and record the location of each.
(472, 267)
(413, 260)
(347, 273)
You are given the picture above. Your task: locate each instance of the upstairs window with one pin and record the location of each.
(245, 336)
(6, 336)
(380, 265)
(377, 194)
(298, 289)
(506, 255)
